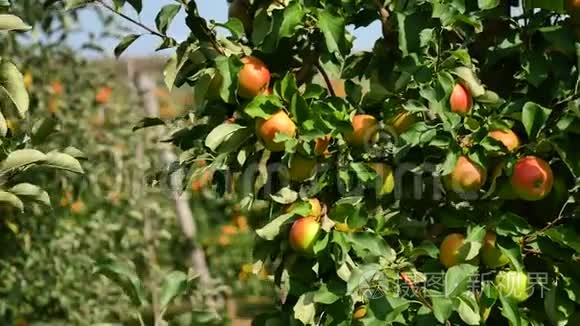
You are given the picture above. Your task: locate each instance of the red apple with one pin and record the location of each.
(460, 100)
(254, 78)
(449, 251)
(507, 137)
(532, 178)
(267, 129)
(365, 130)
(467, 176)
(303, 234)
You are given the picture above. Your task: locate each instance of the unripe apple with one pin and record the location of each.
(532, 178)
(467, 176)
(449, 251)
(254, 78)
(507, 137)
(402, 121)
(365, 130)
(279, 122)
(460, 100)
(240, 9)
(491, 255)
(301, 168)
(303, 234)
(386, 177)
(513, 285)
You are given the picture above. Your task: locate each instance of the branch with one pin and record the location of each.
(148, 29)
(326, 78)
(384, 15)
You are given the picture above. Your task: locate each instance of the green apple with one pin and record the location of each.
(490, 254)
(513, 285)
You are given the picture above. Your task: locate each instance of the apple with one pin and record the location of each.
(254, 78)
(507, 137)
(402, 121)
(573, 8)
(240, 9)
(321, 145)
(301, 168)
(491, 255)
(303, 234)
(365, 130)
(449, 251)
(467, 176)
(267, 129)
(513, 285)
(532, 178)
(359, 312)
(460, 100)
(386, 177)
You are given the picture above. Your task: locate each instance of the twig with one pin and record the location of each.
(104, 4)
(418, 294)
(326, 78)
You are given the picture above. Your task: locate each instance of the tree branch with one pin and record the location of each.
(143, 26)
(326, 78)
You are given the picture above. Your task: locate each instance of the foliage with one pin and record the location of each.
(521, 74)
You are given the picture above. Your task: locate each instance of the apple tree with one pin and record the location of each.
(429, 180)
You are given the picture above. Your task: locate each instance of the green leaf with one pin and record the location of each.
(221, 134)
(73, 4)
(468, 309)
(292, 18)
(272, 229)
(63, 161)
(513, 252)
(126, 278)
(262, 106)
(333, 28)
(304, 310)
(534, 118)
(509, 310)
(285, 196)
(12, 89)
(564, 235)
(470, 81)
(137, 4)
(148, 122)
(442, 306)
(42, 129)
(12, 23)
(228, 68)
(32, 191)
(166, 16)
(458, 278)
(488, 4)
(21, 158)
(174, 284)
(330, 293)
(12, 200)
(125, 43)
(557, 307)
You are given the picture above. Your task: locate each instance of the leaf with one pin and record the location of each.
(262, 106)
(304, 310)
(166, 16)
(510, 311)
(126, 278)
(220, 134)
(333, 28)
(442, 306)
(12, 88)
(272, 229)
(513, 252)
(75, 152)
(137, 4)
(173, 285)
(73, 4)
(125, 43)
(564, 235)
(63, 161)
(21, 158)
(228, 68)
(148, 122)
(12, 200)
(285, 196)
(42, 129)
(34, 192)
(470, 81)
(292, 18)
(12, 23)
(534, 118)
(331, 292)
(458, 278)
(487, 4)
(468, 309)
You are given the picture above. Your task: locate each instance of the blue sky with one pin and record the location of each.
(210, 9)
